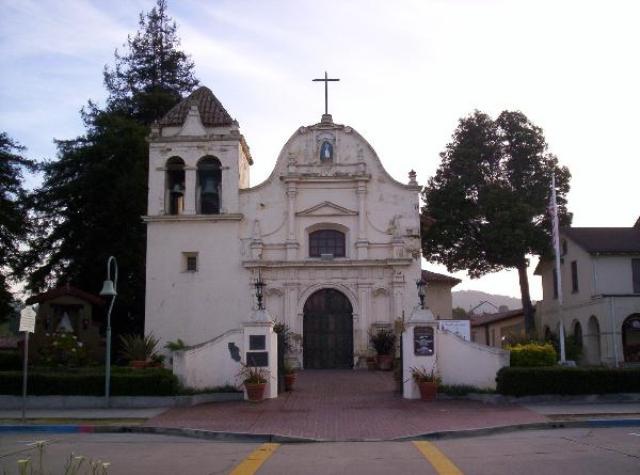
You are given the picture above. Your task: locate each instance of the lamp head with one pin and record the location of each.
(107, 289)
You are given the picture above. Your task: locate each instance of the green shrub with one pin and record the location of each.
(62, 349)
(462, 390)
(564, 380)
(138, 347)
(10, 360)
(90, 382)
(532, 354)
(383, 341)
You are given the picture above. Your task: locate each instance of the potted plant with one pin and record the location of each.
(384, 341)
(427, 382)
(138, 350)
(289, 377)
(254, 380)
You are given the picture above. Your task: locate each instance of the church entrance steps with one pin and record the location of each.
(345, 405)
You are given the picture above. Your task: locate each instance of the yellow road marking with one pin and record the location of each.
(442, 463)
(252, 463)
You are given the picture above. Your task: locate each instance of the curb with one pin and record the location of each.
(263, 438)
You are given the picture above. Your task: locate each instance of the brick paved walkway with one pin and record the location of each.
(344, 405)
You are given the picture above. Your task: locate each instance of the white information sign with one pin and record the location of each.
(462, 328)
(27, 320)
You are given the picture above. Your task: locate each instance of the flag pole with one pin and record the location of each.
(556, 251)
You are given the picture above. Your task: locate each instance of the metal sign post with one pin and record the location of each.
(27, 325)
(24, 375)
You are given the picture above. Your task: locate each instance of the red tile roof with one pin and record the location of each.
(486, 318)
(212, 112)
(63, 291)
(428, 276)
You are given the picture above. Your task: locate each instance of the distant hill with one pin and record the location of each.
(467, 299)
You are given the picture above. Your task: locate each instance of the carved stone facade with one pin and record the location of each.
(326, 178)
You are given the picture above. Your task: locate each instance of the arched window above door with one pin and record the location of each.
(208, 186)
(326, 242)
(174, 186)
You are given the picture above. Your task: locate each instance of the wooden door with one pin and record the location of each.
(328, 331)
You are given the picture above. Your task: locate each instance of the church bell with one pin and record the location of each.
(107, 289)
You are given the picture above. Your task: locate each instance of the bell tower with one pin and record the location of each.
(198, 160)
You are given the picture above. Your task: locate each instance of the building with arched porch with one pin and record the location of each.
(333, 235)
(600, 277)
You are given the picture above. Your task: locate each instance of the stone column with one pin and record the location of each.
(261, 328)
(291, 243)
(190, 190)
(362, 334)
(291, 316)
(421, 326)
(398, 285)
(362, 243)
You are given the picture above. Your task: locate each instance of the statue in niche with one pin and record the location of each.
(326, 152)
(65, 324)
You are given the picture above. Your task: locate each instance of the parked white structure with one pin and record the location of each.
(335, 238)
(600, 276)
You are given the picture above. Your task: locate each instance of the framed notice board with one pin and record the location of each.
(423, 341)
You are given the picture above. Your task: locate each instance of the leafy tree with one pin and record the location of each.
(486, 209)
(459, 313)
(14, 223)
(94, 195)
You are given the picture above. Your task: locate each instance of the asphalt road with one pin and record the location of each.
(567, 451)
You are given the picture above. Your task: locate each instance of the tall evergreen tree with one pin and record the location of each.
(94, 195)
(153, 73)
(14, 223)
(486, 207)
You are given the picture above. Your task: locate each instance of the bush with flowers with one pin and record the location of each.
(62, 349)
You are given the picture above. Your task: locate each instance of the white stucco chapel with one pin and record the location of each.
(333, 236)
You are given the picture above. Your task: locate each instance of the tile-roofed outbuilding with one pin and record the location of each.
(429, 276)
(212, 112)
(486, 318)
(63, 291)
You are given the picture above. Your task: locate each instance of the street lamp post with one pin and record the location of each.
(109, 290)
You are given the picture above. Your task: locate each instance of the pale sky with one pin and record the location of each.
(408, 71)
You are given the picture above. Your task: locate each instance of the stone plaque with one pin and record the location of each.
(423, 341)
(258, 358)
(257, 342)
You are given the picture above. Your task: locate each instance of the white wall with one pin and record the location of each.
(210, 364)
(463, 362)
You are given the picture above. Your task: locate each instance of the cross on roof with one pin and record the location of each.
(326, 90)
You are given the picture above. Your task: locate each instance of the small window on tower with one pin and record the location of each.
(190, 261)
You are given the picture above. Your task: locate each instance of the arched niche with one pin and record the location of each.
(208, 185)
(174, 186)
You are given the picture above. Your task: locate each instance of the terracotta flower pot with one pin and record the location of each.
(289, 379)
(428, 390)
(372, 365)
(385, 362)
(255, 391)
(138, 364)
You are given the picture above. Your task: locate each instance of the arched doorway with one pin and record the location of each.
(327, 331)
(631, 338)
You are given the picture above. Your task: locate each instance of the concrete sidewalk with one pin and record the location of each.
(81, 414)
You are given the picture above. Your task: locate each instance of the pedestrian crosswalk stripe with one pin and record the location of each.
(252, 463)
(442, 464)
